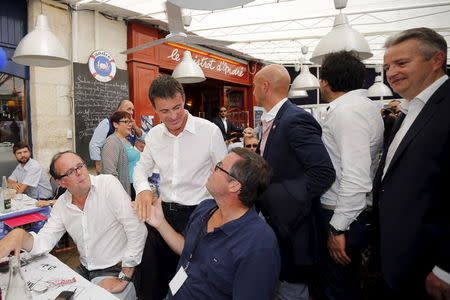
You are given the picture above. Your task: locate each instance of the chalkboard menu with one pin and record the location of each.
(94, 101)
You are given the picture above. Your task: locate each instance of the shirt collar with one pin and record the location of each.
(424, 95)
(231, 227)
(269, 116)
(190, 125)
(26, 167)
(429, 91)
(339, 100)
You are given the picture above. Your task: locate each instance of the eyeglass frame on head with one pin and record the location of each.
(218, 167)
(72, 171)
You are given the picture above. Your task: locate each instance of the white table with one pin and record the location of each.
(22, 205)
(46, 268)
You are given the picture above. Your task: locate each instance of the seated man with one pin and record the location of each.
(96, 212)
(227, 250)
(29, 176)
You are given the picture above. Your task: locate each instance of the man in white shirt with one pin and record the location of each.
(96, 212)
(29, 176)
(353, 135)
(182, 148)
(411, 186)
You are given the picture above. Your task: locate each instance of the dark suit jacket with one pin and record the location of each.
(302, 171)
(230, 127)
(413, 199)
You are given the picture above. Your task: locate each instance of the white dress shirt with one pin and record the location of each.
(106, 232)
(353, 134)
(272, 113)
(224, 121)
(411, 109)
(33, 175)
(184, 161)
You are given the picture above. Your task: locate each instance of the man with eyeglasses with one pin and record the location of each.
(226, 251)
(182, 148)
(96, 212)
(224, 124)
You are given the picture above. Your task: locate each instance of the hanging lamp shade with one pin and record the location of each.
(209, 4)
(187, 71)
(379, 89)
(341, 37)
(305, 80)
(41, 48)
(297, 94)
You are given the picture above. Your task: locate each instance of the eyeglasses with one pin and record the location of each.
(223, 111)
(218, 167)
(128, 122)
(73, 171)
(251, 146)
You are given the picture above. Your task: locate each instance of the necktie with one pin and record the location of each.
(266, 125)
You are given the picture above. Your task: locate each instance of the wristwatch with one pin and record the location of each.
(122, 276)
(334, 231)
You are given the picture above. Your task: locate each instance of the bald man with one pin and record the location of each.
(302, 170)
(105, 129)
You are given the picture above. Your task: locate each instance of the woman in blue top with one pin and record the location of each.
(118, 156)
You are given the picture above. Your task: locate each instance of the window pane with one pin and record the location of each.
(13, 126)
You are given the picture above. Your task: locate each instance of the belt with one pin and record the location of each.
(177, 207)
(333, 207)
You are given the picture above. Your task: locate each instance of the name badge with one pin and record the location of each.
(177, 281)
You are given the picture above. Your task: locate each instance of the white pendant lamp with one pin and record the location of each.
(209, 4)
(379, 89)
(187, 71)
(297, 93)
(341, 37)
(305, 80)
(41, 48)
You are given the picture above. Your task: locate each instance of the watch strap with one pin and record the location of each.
(334, 231)
(122, 276)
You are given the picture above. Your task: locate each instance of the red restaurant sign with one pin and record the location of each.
(213, 66)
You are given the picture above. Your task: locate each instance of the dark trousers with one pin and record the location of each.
(159, 262)
(342, 282)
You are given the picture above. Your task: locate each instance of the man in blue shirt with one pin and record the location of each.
(227, 251)
(105, 129)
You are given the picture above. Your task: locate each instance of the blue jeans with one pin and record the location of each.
(292, 291)
(341, 282)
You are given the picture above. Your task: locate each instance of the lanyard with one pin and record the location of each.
(201, 233)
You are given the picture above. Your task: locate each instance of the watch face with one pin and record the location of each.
(122, 276)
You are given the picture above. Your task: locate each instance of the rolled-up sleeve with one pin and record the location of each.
(135, 230)
(49, 235)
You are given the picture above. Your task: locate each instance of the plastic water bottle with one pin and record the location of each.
(5, 201)
(17, 287)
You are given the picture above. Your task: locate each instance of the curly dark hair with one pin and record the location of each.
(343, 71)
